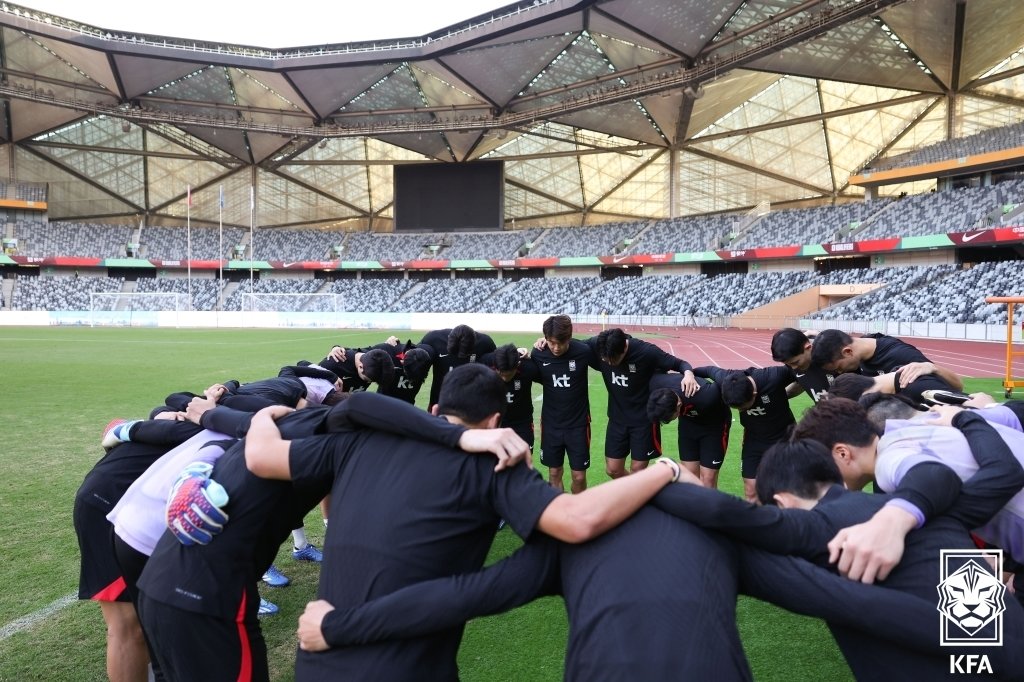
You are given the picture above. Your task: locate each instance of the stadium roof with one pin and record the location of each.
(601, 109)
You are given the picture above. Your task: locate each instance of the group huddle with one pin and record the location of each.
(183, 516)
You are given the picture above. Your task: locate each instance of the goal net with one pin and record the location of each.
(136, 309)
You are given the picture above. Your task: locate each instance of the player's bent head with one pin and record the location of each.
(662, 405)
(787, 344)
(804, 468)
(416, 364)
(472, 393)
(828, 347)
(378, 367)
(880, 406)
(737, 390)
(836, 420)
(506, 360)
(611, 345)
(557, 327)
(461, 341)
(851, 386)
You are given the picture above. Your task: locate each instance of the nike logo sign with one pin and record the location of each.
(619, 259)
(714, 461)
(969, 237)
(442, 355)
(651, 453)
(800, 374)
(545, 364)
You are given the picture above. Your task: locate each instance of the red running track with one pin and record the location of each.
(742, 348)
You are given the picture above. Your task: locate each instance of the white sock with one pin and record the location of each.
(299, 538)
(325, 524)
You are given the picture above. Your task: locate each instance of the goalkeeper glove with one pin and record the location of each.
(195, 505)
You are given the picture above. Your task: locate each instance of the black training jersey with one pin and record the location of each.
(890, 354)
(518, 393)
(403, 511)
(628, 383)
(703, 409)
(769, 419)
(590, 577)
(220, 578)
(444, 362)
(566, 402)
(114, 473)
(346, 371)
(815, 381)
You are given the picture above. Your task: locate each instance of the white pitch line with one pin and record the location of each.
(26, 622)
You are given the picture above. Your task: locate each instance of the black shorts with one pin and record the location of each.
(642, 443)
(99, 576)
(753, 451)
(194, 646)
(556, 443)
(704, 444)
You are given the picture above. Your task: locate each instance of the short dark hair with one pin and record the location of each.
(788, 343)
(850, 385)
(416, 363)
(800, 467)
(334, 396)
(880, 406)
(828, 346)
(472, 393)
(461, 341)
(836, 420)
(507, 358)
(379, 367)
(737, 389)
(611, 343)
(557, 327)
(662, 405)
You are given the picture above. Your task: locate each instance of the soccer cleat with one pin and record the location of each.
(267, 608)
(308, 553)
(275, 578)
(940, 397)
(110, 435)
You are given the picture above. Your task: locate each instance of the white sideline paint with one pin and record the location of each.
(25, 622)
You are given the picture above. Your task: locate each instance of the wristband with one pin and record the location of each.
(671, 464)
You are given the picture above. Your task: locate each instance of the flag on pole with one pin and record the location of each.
(220, 201)
(252, 197)
(189, 192)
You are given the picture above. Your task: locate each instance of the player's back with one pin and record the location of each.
(403, 511)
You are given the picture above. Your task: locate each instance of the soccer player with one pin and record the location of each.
(204, 595)
(412, 364)
(704, 423)
(519, 377)
(562, 363)
(627, 365)
(802, 479)
(357, 369)
(853, 385)
(872, 354)
(760, 396)
(100, 578)
(846, 430)
(451, 348)
(444, 524)
(792, 348)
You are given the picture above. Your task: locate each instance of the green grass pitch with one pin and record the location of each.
(60, 386)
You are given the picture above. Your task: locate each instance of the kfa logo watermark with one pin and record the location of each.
(971, 602)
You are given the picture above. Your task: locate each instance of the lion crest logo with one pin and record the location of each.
(971, 597)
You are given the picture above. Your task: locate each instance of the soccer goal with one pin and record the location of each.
(119, 309)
